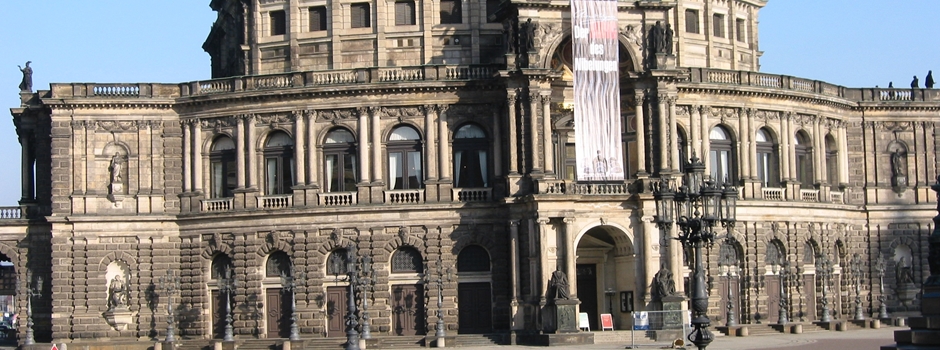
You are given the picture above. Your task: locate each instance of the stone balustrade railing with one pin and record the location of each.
(11, 213)
(277, 81)
(590, 189)
(789, 83)
(809, 195)
(472, 194)
(275, 201)
(338, 199)
(404, 196)
(774, 193)
(216, 205)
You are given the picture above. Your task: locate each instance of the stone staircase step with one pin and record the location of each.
(482, 339)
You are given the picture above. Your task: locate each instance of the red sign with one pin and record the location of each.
(607, 321)
(54, 347)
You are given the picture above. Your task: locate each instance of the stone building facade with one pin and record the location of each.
(428, 137)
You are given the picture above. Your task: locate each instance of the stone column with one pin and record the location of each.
(695, 132)
(673, 133)
(640, 132)
(547, 145)
(744, 138)
(198, 171)
(843, 153)
(299, 144)
(513, 151)
(706, 112)
(570, 260)
(253, 173)
(310, 118)
(187, 157)
(240, 151)
(364, 170)
(375, 113)
(752, 145)
(534, 130)
(819, 154)
(444, 137)
(649, 238)
(430, 156)
(497, 145)
(518, 316)
(663, 127)
(785, 151)
(791, 156)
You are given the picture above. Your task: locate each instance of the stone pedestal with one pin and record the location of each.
(906, 294)
(925, 330)
(119, 317)
(566, 316)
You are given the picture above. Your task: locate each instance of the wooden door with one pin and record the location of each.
(809, 290)
(408, 313)
(278, 314)
(475, 308)
(773, 299)
(587, 292)
(218, 314)
(734, 285)
(336, 306)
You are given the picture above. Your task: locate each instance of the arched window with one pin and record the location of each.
(832, 160)
(721, 155)
(339, 154)
(407, 260)
(804, 159)
(404, 159)
(221, 265)
(470, 157)
(767, 158)
(473, 259)
(278, 164)
(336, 262)
(278, 264)
(223, 172)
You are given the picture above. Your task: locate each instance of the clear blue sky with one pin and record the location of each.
(854, 43)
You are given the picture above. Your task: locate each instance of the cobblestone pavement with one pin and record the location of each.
(849, 340)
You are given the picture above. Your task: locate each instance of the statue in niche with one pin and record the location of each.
(898, 169)
(665, 285)
(117, 293)
(904, 273)
(667, 39)
(528, 35)
(559, 285)
(509, 35)
(657, 37)
(26, 85)
(116, 169)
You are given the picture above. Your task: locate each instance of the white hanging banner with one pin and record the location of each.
(596, 90)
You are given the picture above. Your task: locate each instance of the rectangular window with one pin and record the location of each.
(451, 13)
(571, 160)
(360, 15)
(317, 18)
(404, 13)
(278, 22)
(691, 21)
(739, 26)
(718, 25)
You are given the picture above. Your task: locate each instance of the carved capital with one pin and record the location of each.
(546, 98)
(704, 110)
(533, 96)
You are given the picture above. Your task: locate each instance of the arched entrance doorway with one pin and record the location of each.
(474, 292)
(8, 316)
(606, 275)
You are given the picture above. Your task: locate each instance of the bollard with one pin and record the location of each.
(797, 329)
(743, 332)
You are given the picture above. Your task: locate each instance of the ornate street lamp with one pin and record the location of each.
(697, 206)
(440, 332)
(352, 336)
(857, 273)
(784, 269)
(366, 285)
(228, 284)
(290, 283)
(33, 290)
(732, 319)
(170, 284)
(880, 265)
(825, 270)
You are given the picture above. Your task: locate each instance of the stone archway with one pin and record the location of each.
(606, 275)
